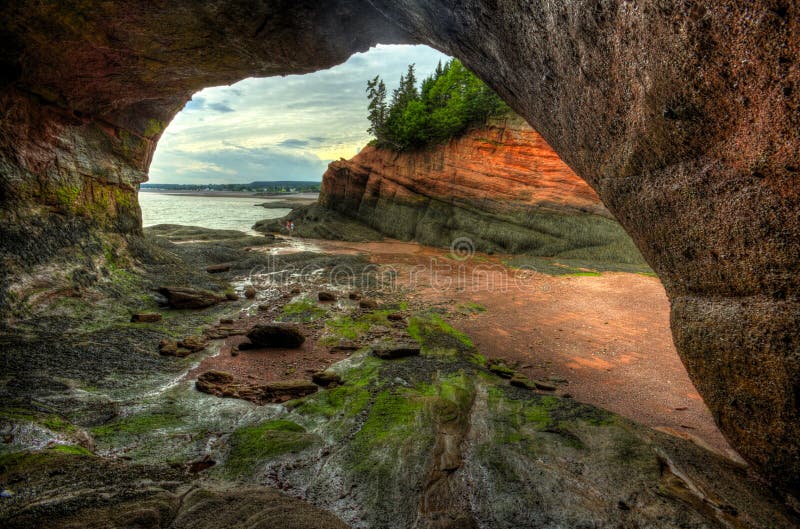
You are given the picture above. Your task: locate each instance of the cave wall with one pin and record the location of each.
(682, 115)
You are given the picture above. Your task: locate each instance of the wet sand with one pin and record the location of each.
(608, 336)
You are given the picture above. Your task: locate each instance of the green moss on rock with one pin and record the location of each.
(252, 445)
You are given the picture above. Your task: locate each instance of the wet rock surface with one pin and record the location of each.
(430, 439)
(81, 490)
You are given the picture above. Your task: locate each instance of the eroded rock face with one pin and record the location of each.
(683, 116)
(500, 185)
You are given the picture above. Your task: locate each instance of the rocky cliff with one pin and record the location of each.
(499, 186)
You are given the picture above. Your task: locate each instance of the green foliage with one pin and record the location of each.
(447, 103)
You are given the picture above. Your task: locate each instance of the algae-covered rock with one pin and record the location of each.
(326, 378)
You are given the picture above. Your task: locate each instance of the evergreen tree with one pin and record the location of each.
(447, 103)
(376, 93)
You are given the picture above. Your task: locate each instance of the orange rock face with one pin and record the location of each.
(502, 167)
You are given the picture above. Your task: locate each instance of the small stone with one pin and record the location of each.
(393, 350)
(501, 370)
(250, 292)
(295, 291)
(167, 347)
(193, 343)
(368, 304)
(189, 298)
(344, 346)
(264, 307)
(326, 296)
(521, 381)
(276, 335)
(394, 316)
(544, 386)
(182, 352)
(226, 321)
(354, 296)
(145, 317)
(218, 268)
(326, 378)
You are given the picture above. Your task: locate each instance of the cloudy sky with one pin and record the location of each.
(279, 128)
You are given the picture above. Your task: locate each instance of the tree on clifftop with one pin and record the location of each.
(447, 103)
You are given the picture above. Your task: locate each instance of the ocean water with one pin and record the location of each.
(217, 212)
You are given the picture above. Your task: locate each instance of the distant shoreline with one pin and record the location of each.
(232, 194)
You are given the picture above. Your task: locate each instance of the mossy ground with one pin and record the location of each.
(301, 311)
(255, 444)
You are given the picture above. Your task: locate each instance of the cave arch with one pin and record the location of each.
(683, 115)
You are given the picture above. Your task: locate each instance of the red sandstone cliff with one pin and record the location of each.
(506, 166)
(500, 185)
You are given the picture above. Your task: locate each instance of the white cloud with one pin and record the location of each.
(280, 128)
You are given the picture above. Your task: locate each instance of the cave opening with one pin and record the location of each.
(681, 118)
(249, 157)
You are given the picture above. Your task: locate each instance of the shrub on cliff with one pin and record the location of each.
(445, 105)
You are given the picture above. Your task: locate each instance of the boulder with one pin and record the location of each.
(392, 350)
(189, 298)
(276, 335)
(145, 317)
